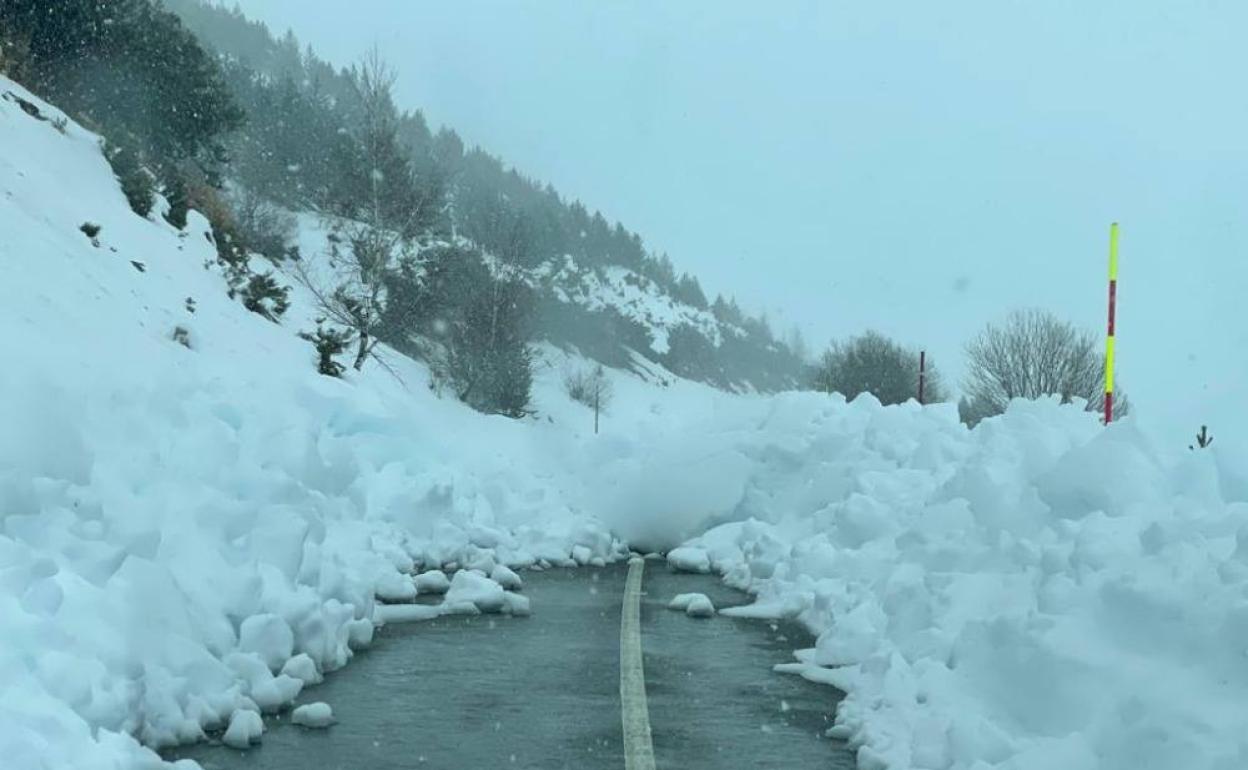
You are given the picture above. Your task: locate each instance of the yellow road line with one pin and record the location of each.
(638, 747)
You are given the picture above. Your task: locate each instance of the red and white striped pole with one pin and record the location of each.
(1109, 339)
(922, 372)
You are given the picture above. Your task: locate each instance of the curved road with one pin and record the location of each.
(462, 693)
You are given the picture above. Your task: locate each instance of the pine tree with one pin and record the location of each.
(136, 182)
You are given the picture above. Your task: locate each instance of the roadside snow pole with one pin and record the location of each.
(922, 372)
(1109, 338)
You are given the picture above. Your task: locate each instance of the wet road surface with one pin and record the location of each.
(462, 693)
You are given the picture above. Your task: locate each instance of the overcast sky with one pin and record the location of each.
(915, 167)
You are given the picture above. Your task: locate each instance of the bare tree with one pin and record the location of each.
(263, 227)
(1033, 354)
(591, 388)
(368, 246)
(796, 342)
(872, 363)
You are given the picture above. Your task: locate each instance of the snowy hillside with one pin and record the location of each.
(191, 533)
(155, 496)
(632, 295)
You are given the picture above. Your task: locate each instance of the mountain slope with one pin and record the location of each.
(599, 290)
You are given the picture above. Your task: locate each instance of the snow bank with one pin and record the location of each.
(1038, 593)
(189, 536)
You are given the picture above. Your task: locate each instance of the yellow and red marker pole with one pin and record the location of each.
(1109, 339)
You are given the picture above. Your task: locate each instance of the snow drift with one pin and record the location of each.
(178, 524)
(1039, 593)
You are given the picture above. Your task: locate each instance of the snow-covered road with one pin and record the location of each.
(543, 691)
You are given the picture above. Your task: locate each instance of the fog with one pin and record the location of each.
(915, 168)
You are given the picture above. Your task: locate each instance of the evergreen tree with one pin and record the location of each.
(179, 202)
(136, 182)
(129, 68)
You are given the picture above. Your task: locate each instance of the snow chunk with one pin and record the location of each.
(245, 728)
(694, 605)
(459, 608)
(689, 559)
(432, 582)
(516, 604)
(506, 578)
(406, 613)
(360, 633)
(681, 601)
(396, 587)
(472, 588)
(303, 668)
(316, 715)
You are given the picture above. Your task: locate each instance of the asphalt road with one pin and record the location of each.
(463, 693)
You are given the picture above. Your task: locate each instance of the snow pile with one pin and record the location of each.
(693, 605)
(469, 587)
(1039, 593)
(188, 536)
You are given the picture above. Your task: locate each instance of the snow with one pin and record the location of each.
(1038, 593)
(688, 559)
(177, 525)
(506, 577)
(407, 613)
(681, 601)
(694, 605)
(245, 729)
(303, 668)
(517, 604)
(315, 715)
(432, 582)
(268, 636)
(468, 587)
(632, 295)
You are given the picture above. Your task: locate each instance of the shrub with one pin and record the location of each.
(137, 183)
(1033, 354)
(14, 54)
(182, 336)
(262, 227)
(329, 343)
(872, 363)
(591, 388)
(262, 294)
(179, 201)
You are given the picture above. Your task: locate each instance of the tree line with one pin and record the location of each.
(1031, 354)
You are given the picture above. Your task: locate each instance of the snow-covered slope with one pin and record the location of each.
(631, 295)
(189, 535)
(156, 499)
